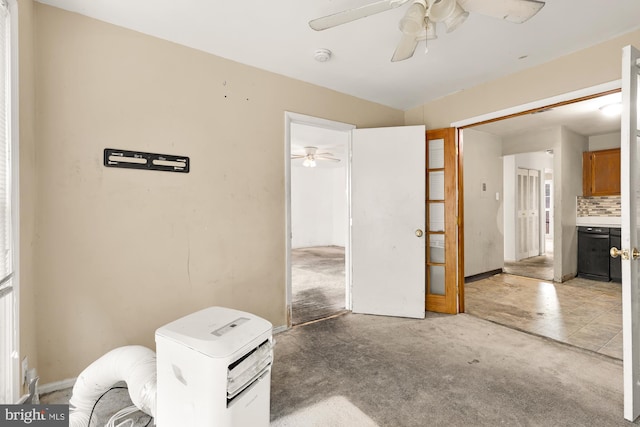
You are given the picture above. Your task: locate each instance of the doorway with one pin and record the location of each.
(318, 243)
(559, 129)
(526, 220)
(552, 308)
(385, 272)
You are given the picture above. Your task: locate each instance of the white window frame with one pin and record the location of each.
(14, 371)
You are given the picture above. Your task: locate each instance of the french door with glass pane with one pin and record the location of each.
(442, 224)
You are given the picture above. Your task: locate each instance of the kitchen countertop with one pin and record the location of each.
(598, 221)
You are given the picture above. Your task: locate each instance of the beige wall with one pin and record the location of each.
(604, 142)
(586, 68)
(568, 184)
(27, 179)
(483, 225)
(122, 252)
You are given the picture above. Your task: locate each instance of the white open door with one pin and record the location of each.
(522, 214)
(388, 221)
(533, 229)
(528, 206)
(630, 188)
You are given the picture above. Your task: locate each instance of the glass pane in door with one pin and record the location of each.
(436, 154)
(436, 185)
(436, 279)
(436, 216)
(436, 248)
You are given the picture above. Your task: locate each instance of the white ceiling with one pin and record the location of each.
(275, 36)
(326, 140)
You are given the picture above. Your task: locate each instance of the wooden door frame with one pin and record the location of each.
(516, 111)
(460, 146)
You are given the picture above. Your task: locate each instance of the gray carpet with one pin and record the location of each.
(442, 371)
(359, 370)
(317, 283)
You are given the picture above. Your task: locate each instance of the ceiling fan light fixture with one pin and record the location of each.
(456, 19)
(413, 20)
(449, 12)
(441, 9)
(309, 162)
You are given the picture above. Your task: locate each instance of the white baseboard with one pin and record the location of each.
(56, 386)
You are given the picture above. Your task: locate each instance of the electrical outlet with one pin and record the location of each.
(25, 369)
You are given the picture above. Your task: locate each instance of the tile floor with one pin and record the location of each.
(580, 312)
(537, 267)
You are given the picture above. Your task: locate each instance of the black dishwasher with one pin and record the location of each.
(615, 264)
(593, 253)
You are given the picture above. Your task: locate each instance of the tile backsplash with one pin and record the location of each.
(599, 206)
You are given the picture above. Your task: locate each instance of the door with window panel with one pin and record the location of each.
(441, 251)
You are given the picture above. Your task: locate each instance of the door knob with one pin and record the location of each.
(419, 232)
(615, 253)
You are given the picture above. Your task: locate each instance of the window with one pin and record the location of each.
(8, 307)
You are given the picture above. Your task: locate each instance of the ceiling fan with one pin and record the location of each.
(419, 22)
(311, 155)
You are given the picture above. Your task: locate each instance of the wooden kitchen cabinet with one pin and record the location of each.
(601, 173)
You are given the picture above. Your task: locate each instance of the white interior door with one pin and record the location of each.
(388, 221)
(630, 187)
(522, 214)
(533, 197)
(528, 213)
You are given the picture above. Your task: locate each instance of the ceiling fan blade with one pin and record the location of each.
(331, 159)
(516, 11)
(298, 156)
(406, 47)
(350, 15)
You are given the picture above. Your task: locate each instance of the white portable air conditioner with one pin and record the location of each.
(214, 369)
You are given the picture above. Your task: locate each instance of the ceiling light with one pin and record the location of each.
(456, 19)
(309, 162)
(611, 110)
(322, 55)
(413, 21)
(449, 12)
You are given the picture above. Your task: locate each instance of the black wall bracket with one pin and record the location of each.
(114, 158)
